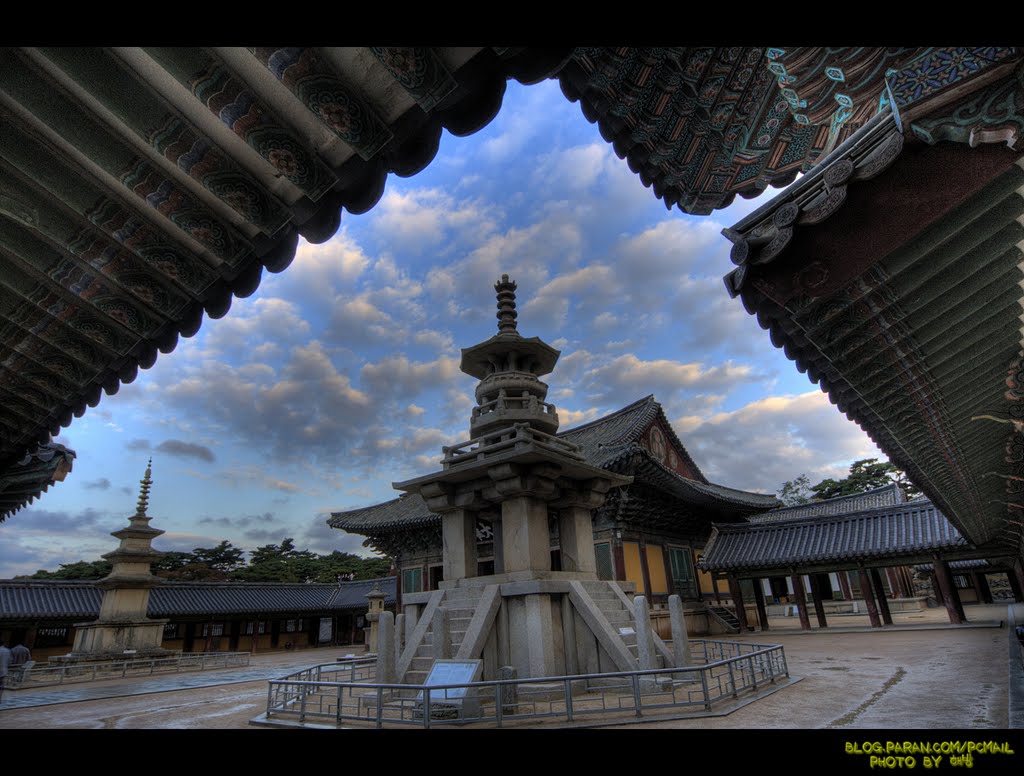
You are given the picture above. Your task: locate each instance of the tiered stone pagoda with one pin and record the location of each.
(123, 630)
(513, 468)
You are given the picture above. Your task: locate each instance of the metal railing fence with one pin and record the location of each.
(728, 670)
(42, 675)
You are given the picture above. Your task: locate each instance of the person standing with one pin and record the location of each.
(20, 655)
(5, 661)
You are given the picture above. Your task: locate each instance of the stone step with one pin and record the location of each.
(415, 677)
(421, 663)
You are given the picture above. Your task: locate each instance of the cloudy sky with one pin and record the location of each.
(340, 375)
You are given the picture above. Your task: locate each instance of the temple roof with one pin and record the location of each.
(142, 189)
(887, 495)
(611, 442)
(20, 599)
(915, 333)
(903, 533)
(23, 482)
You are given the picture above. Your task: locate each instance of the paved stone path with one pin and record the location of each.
(921, 673)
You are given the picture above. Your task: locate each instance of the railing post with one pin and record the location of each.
(270, 691)
(732, 679)
(753, 674)
(426, 708)
(636, 694)
(499, 701)
(704, 686)
(380, 707)
(337, 709)
(302, 705)
(568, 700)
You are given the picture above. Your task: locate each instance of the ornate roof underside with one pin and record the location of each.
(42, 599)
(891, 275)
(700, 125)
(23, 482)
(659, 497)
(141, 189)
(905, 533)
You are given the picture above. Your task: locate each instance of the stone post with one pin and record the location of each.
(525, 536)
(399, 636)
(644, 642)
(458, 534)
(386, 643)
(680, 638)
(576, 538)
(509, 693)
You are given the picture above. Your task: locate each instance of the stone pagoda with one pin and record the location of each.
(537, 493)
(123, 630)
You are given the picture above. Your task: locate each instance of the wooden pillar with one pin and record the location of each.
(981, 585)
(844, 585)
(645, 571)
(944, 581)
(801, 601)
(883, 602)
(819, 607)
(906, 580)
(619, 559)
(869, 597)
(762, 612)
(737, 598)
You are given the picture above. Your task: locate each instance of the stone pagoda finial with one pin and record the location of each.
(506, 305)
(146, 482)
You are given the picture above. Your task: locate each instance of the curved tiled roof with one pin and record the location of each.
(32, 475)
(898, 533)
(611, 443)
(887, 495)
(891, 275)
(143, 188)
(51, 598)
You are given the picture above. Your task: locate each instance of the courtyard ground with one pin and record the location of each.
(919, 673)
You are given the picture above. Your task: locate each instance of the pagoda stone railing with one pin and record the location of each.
(508, 439)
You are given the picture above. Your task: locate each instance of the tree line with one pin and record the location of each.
(227, 563)
(866, 474)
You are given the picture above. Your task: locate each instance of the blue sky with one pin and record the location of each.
(340, 375)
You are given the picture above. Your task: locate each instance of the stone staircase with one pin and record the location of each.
(614, 606)
(726, 617)
(461, 604)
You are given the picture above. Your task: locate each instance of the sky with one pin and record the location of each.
(341, 375)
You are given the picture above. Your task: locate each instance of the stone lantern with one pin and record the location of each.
(376, 599)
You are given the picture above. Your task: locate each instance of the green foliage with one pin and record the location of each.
(866, 474)
(81, 569)
(225, 562)
(795, 491)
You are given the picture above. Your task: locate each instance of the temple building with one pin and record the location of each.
(650, 532)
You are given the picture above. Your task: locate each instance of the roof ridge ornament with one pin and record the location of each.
(506, 291)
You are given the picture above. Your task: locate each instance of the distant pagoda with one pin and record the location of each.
(123, 630)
